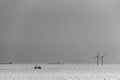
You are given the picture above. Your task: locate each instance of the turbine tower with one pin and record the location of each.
(102, 58)
(97, 58)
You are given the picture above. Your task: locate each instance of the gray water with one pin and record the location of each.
(59, 72)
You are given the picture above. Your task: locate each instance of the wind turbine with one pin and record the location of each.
(102, 57)
(97, 57)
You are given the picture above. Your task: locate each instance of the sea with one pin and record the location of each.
(60, 72)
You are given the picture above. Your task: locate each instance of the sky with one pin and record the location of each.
(66, 31)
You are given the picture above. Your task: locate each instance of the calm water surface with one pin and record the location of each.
(59, 72)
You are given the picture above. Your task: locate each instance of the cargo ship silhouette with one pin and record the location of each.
(7, 63)
(55, 63)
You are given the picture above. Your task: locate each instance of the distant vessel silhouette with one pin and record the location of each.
(7, 63)
(37, 67)
(55, 63)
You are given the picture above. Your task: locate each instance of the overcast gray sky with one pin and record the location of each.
(66, 31)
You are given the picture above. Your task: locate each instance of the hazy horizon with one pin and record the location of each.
(65, 31)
